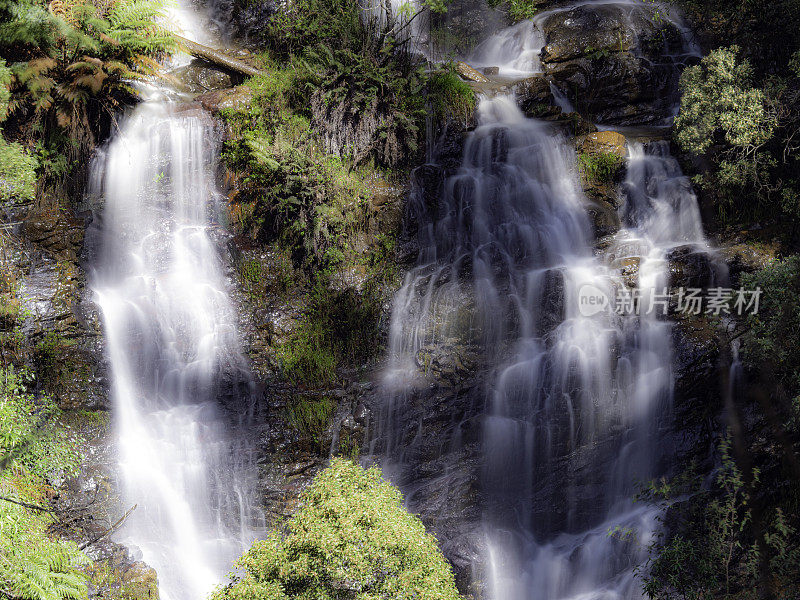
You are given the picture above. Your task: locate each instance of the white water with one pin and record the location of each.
(577, 405)
(173, 349)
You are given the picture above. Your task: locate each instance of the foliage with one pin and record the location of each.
(336, 327)
(712, 553)
(72, 66)
(718, 99)
(450, 96)
(32, 565)
(17, 167)
(600, 167)
(17, 172)
(746, 130)
(350, 538)
(360, 68)
(772, 341)
(309, 415)
(519, 10)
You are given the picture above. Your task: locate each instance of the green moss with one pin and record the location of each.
(450, 96)
(351, 533)
(337, 327)
(600, 167)
(309, 415)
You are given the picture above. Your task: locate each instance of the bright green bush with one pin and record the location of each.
(718, 98)
(351, 538)
(33, 566)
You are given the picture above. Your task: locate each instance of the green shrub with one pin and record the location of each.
(17, 172)
(450, 95)
(600, 167)
(772, 342)
(718, 98)
(351, 538)
(33, 566)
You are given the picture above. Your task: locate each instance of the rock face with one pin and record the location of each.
(614, 62)
(235, 98)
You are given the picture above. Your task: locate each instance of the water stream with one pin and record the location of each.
(185, 462)
(576, 402)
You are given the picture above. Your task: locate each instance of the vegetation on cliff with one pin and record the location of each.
(33, 449)
(351, 537)
(740, 110)
(71, 66)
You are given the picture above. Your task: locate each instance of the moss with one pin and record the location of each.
(338, 327)
(600, 167)
(450, 96)
(310, 416)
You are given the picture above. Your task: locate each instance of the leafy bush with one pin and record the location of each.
(72, 67)
(718, 99)
(17, 167)
(351, 538)
(772, 342)
(745, 132)
(601, 167)
(33, 566)
(451, 97)
(712, 553)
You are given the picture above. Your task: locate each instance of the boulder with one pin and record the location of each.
(200, 77)
(611, 63)
(690, 267)
(604, 142)
(236, 98)
(585, 31)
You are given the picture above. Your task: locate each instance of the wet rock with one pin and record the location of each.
(604, 142)
(361, 414)
(535, 97)
(690, 267)
(199, 77)
(552, 302)
(744, 257)
(57, 232)
(236, 98)
(491, 70)
(614, 63)
(629, 269)
(575, 33)
(604, 217)
(469, 73)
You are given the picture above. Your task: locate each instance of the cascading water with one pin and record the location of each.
(173, 350)
(577, 400)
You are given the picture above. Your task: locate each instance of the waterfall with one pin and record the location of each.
(173, 349)
(576, 402)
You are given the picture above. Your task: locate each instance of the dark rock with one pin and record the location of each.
(491, 70)
(57, 232)
(236, 98)
(585, 30)
(690, 267)
(614, 62)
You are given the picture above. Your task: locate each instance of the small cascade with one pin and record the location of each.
(187, 464)
(576, 403)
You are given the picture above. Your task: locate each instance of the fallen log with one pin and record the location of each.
(218, 57)
(469, 73)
